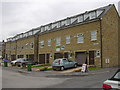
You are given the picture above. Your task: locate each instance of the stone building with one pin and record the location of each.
(90, 37)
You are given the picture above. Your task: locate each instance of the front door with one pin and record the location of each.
(91, 57)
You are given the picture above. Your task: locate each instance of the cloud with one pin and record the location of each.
(22, 15)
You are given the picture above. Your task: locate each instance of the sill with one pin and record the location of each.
(93, 40)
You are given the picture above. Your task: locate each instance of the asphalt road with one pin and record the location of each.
(92, 79)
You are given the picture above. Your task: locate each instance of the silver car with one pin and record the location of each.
(113, 83)
(14, 62)
(63, 63)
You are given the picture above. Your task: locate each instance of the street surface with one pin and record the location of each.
(93, 79)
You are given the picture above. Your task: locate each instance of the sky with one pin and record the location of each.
(19, 16)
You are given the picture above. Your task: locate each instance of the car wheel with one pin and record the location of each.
(61, 68)
(75, 65)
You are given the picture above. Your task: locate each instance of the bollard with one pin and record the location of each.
(29, 67)
(5, 64)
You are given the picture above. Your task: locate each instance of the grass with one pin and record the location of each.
(43, 65)
(94, 68)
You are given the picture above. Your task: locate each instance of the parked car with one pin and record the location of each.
(63, 63)
(25, 61)
(113, 83)
(14, 62)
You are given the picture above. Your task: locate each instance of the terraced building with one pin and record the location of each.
(91, 37)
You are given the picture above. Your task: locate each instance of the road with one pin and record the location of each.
(93, 79)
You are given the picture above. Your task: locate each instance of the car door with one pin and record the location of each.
(71, 64)
(65, 63)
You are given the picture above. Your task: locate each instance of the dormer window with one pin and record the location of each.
(92, 15)
(99, 12)
(80, 18)
(74, 20)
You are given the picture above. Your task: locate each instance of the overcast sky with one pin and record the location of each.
(19, 16)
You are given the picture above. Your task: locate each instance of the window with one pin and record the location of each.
(30, 33)
(74, 20)
(80, 18)
(32, 45)
(63, 23)
(93, 35)
(67, 39)
(99, 12)
(26, 45)
(49, 42)
(58, 41)
(55, 25)
(42, 44)
(80, 38)
(42, 29)
(48, 27)
(86, 16)
(92, 15)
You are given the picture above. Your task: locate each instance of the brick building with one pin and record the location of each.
(90, 37)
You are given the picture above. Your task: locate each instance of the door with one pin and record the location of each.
(58, 55)
(48, 58)
(81, 58)
(91, 57)
(42, 58)
(66, 55)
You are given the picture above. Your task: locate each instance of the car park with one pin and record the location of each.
(25, 61)
(113, 83)
(63, 63)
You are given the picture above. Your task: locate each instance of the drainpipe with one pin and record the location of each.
(101, 42)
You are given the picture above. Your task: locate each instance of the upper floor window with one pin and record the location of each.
(58, 41)
(92, 15)
(26, 45)
(74, 20)
(32, 45)
(80, 38)
(93, 35)
(99, 12)
(42, 44)
(49, 42)
(80, 18)
(67, 39)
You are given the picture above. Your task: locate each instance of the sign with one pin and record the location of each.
(63, 47)
(57, 48)
(84, 68)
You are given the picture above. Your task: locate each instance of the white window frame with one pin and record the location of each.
(49, 42)
(99, 12)
(80, 38)
(74, 19)
(92, 15)
(80, 18)
(42, 44)
(58, 41)
(68, 39)
(93, 35)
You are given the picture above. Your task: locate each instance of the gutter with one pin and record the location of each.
(101, 42)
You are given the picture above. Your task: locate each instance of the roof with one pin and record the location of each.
(88, 16)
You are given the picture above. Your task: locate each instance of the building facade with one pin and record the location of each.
(90, 37)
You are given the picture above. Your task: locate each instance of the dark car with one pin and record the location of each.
(113, 83)
(25, 61)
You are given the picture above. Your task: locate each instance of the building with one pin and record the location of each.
(21, 45)
(90, 37)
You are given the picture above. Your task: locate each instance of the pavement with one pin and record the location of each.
(66, 73)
